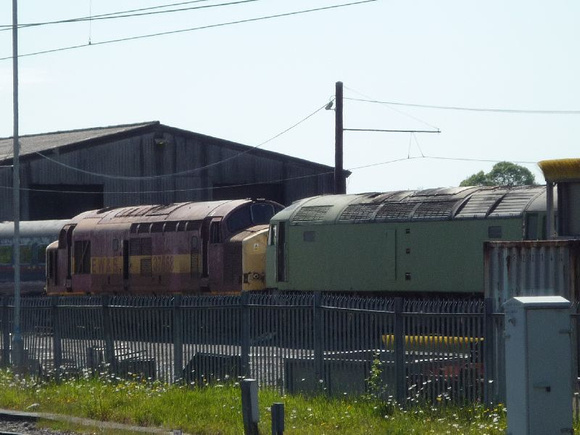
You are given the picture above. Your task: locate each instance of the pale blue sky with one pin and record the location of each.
(248, 82)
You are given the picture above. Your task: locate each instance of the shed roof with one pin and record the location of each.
(83, 138)
(30, 144)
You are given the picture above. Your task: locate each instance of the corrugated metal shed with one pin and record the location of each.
(531, 268)
(64, 173)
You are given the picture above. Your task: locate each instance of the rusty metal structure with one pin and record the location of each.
(202, 247)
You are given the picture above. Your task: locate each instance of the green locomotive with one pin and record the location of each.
(404, 242)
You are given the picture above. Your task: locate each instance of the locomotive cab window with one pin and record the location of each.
(262, 213)
(52, 266)
(239, 219)
(82, 256)
(256, 214)
(273, 235)
(62, 238)
(215, 235)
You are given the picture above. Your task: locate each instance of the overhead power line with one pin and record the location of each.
(186, 172)
(457, 159)
(150, 192)
(192, 29)
(379, 130)
(196, 189)
(131, 13)
(471, 109)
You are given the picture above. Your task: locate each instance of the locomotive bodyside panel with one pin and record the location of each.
(397, 257)
(407, 242)
(177, 248)
(254, 261)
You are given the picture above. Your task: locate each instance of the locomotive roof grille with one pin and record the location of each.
(395, 211)
(440, 210)
(479, 206)
(134, 211)
(311, 213)
(514, 204)
(427, 205)
(359, 212)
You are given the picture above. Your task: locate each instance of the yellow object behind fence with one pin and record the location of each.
(415, 342)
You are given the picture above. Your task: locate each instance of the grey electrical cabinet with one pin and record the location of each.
(538, 365)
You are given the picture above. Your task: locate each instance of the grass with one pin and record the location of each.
(216, 409)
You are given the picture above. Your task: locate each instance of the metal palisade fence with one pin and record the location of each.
(404, 350)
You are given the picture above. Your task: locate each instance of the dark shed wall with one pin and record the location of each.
(191, 160)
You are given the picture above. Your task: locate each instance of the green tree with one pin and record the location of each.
(502, 174)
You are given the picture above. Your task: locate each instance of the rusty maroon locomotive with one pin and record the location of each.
(203, 247)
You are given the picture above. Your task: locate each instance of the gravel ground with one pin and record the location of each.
(14, 422)
(10, 425)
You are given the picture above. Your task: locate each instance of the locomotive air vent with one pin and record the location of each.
(435, 210)
(479, 205)
(359, 213)
(395, 211)
(311, 213)
(514, 203)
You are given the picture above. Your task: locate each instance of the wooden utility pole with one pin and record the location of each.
(339, 180)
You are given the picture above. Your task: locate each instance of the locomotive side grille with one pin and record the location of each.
(514, 203)
(395, 211)
(312, 213)
(133, 211)
(359, 213)
(436, 210)
(478, 206)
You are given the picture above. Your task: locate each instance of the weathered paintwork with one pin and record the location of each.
(179, 248)
(254, 259)
(531, 268)
(408, 242)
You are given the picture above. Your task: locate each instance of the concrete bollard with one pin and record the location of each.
(277, 419)
(250, 406)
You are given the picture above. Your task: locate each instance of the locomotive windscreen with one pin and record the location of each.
(255, 214)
